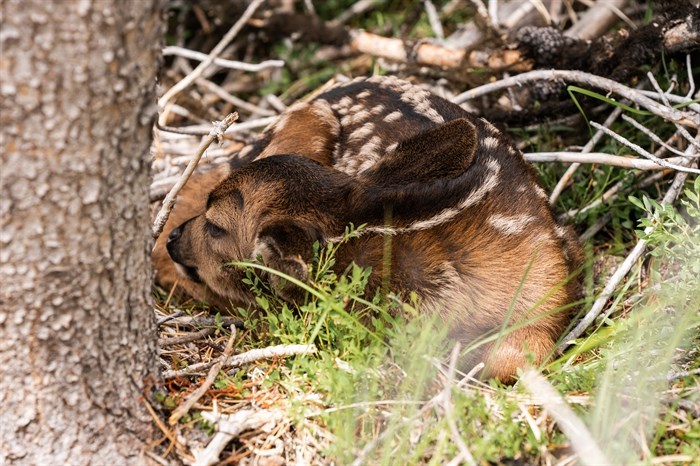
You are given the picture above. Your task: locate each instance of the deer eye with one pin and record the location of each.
(237, 198)
(214, 230)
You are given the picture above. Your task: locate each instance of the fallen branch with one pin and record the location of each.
(201, 321)
(228, 427)
(600, 158)
(682, 37)
(583, 443)
(223, 63)
(431, 54)
(193, 397)
(564, 180)
(238, 360)
(614, 192)
(240, 104)
(608, 85)
(199, 130)
(667, 163)
(598, 19)
(465, 454)
(216, 51)
(192, 336)
(627, 264)
(216, 132)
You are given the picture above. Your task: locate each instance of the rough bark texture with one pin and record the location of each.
(76, 328)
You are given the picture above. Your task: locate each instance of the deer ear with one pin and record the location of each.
(286, 246)
(445, 151)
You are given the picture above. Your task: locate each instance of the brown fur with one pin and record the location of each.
(472, 233)
(191, 201)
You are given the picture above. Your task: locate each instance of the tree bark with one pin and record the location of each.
(77, 333)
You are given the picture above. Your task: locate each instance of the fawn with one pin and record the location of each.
(471, 230)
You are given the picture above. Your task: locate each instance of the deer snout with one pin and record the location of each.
(172, 245)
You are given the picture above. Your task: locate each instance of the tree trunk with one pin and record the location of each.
(77, 334)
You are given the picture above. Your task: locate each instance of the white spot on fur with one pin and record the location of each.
(392, 147)
(560, 231)
(444, 216)
(540, 192)
(346, 101)
(490, 126)
(369, 154)
(342, 105)
(420, 100)
(393, 116)
(511, 225)
(490, 142)
(377, 109)
(392, 82)
(362, 132)
(489, 184)
(355, 118)
(364, 94)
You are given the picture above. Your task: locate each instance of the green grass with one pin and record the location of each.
(382, 392)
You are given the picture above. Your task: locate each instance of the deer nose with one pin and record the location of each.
(174, 235)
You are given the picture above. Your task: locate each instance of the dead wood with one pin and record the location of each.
(617, 55)
(597, 20)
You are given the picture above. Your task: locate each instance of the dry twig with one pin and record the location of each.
(615, 191)
(193, 336)
(187, 404)
(608, 85)
(221, 62)
(201, 321)
(627, 264)
(601, 158)
(228, 427)
(598, 19)
(564, 180)
(216, 132)
(449, 409)
(650, 134)
(661, 162)
(434, 19)
(200, 130)
(355, 9)
(216, 51)
(238, 360)
(240, 104)
(589, 453)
